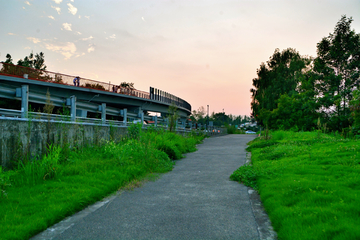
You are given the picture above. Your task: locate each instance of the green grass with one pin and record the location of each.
(40, 193)
(309, 184)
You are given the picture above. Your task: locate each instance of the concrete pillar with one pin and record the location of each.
(24, 101)
(183, 121)
(73, 108)
(125, 116)
(156, 120)
(103, 113)
(142, 117)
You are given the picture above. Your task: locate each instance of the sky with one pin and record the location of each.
(203, 51)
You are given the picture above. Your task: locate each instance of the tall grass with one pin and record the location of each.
(309, 184)
(40, 193)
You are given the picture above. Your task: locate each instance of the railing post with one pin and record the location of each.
(156, 120)
(73, 108)
(24, 101)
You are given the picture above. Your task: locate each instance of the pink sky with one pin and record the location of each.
(204, 51)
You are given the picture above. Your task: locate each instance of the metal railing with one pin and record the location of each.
(59, 78)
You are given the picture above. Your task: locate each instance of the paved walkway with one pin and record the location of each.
(194, 201)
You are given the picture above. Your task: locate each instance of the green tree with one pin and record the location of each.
(280, 75)
(337, 68)
(355, 111)
(199, 115)
(173, 116)
(127, 85)
(8, 59)
(36, 61)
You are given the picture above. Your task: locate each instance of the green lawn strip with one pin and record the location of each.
(309, 185)
(82, 178)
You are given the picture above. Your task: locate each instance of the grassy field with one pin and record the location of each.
(40, 193)
(309, 184)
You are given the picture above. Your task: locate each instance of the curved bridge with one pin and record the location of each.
(31, 85)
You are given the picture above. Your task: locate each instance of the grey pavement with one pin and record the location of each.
(194, 201)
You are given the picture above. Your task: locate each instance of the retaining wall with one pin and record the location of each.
(21, 137)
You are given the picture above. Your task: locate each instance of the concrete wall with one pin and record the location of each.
(19, 137)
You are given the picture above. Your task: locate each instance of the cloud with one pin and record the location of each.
(66, 49)
(72, 9)
(88, 17)
(34, 40)
(91, 48)
(57, 9)
(67, 26)
(87, 39)
(79, 55)
(78, 33)
(12, 34)
(27, 2)
(57, 1)
(112, 37)
(51, 17)
(27, 47)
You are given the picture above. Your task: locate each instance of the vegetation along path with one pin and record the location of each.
(194, 201)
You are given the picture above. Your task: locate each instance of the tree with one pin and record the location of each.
(337, 68)
(355, 111)
(280, 75)
(33, 61)
(127, 85)
(173, 116)
(8, 59)
(199, 114)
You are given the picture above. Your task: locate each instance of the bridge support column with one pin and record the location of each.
(73, 108)
(142, 117)
(24, 101)
(125, 116)
(103, 113)
(156, 120)
(183, 122)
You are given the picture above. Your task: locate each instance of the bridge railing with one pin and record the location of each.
(59, 78)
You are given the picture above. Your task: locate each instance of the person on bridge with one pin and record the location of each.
(78, 81)
(75, 81)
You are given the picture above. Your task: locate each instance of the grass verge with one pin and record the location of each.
(40, 193)
(309, 184)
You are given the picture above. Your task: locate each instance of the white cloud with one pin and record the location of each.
(67, 26)
(66, 49)
(12, 34)
(34, 40)
(57, 9)
(78, 33)
(27, 2)
(86, 39)
(27, 47)
(79, 55)
(112, 37)
(51, 17)
(57, 1)
(91, 49)
(88, 17)
(72, 9)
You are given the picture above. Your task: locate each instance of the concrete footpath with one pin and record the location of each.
(194, 201)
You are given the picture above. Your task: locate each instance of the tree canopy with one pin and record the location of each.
(36, 61)
(293, 91)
